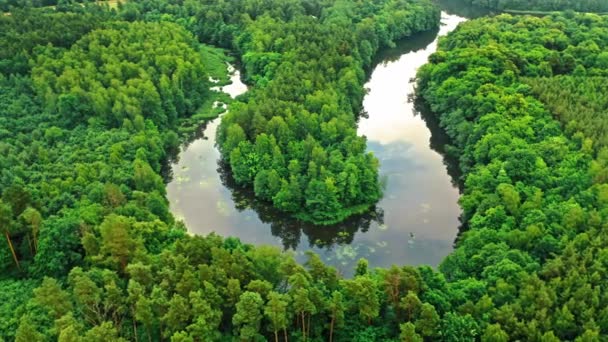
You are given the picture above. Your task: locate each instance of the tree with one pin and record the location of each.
(392, 285)
(160, 306)
(144, 314)
(362, 293)
(428, 321)
(276, 312)
(53, 298)
(33, 219)
(135, 293)
(336, 312)
(303, 306)
(6, 226)
(408, 333)
(494, 333)
(248, 315)
(411, 305)
(103, 332)
(206, 319)
(116, 240)
(27, 331)
(322, 200)
(181, 336)
(361, 267)
(70, 329)
(177, 316)
(459, 328)
(88, 296)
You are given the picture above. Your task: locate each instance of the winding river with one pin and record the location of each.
(416, 221)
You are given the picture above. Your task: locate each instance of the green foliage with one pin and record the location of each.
(20, 36)
(14, 294)
(83, 144)
(109, 75)
(578, 101)
(544, 5)
(530, 201)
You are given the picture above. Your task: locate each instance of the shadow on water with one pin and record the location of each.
(463, 9)
(173, 153)
(290, 230)
(410, 44)
(440, 142)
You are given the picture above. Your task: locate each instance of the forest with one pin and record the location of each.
(294, 138)
(93, 102)
(544, 5)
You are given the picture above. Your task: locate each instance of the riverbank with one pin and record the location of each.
(542, 13)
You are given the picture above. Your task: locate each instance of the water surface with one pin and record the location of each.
(415, 223)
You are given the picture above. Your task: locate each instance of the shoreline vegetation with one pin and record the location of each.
(543, 7)
(91, 104)
(541, 13)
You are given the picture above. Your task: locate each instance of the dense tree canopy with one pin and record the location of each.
(22, 31)
(92, 253)
(533, 199)
(147, 70)
(544, 5)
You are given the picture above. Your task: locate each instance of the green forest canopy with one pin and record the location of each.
(93, 254)
(544, 5)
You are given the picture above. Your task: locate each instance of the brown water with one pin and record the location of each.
(415, 223)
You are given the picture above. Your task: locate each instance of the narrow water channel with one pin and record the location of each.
(416, 221)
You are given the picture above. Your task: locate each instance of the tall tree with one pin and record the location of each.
(248, 315)
(408, 333)
(276, 312)
(6, 222)
(336, 312)
(27, 331)
(33, 219)
(116, 240)
(53, 298)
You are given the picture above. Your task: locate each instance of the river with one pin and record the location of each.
(415, 223)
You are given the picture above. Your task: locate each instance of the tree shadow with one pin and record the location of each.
(290, 230)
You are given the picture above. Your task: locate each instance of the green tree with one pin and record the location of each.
(428, 321)
(6, 222)
(411, 305)
(408, 333)
(363, 297)
(33, 219)
(336, 312)
(177, 316)
(276, 312)
(494, 332)
(53, 298)
(116, 240)
(361, 267)
(27, 331)
(248, 315)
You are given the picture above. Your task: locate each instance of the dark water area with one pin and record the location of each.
(462, 9)
(415, 223)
